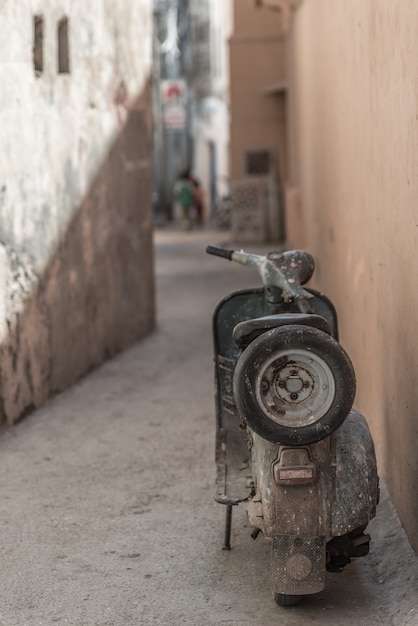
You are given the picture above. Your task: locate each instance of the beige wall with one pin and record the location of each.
(250, 19)
(257, 63)
(354, 105)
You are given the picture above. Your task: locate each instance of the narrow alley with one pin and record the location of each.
(107, 511)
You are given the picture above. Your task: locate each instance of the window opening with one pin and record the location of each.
(38, 44)
(257, 162)
(63, 47)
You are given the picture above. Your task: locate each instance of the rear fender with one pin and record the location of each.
(280, 509)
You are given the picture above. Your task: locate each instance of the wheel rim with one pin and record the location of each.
(295, 388)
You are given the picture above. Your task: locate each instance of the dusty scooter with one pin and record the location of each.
(288, 441)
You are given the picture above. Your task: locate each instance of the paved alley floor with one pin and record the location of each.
(107, 512)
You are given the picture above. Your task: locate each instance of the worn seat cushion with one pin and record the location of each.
(245, 332)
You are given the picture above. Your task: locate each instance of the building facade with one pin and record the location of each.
(191, 131)
(211, 129)
(258, 149)
(353, 82)
(332, 89)
(76, 270)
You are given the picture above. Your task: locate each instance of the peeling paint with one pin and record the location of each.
(72, 290)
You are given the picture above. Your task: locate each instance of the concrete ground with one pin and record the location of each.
(107, 512)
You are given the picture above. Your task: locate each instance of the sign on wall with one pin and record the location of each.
(174, 101)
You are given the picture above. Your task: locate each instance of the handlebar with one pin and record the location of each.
(287, 270)
(218, 251)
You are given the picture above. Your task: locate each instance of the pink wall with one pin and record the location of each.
(354, 164)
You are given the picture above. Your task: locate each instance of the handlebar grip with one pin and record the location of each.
(218, 251)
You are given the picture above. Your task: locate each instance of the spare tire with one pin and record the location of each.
(294, 385)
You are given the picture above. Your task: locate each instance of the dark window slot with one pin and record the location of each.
(63, 47)
(38, 44)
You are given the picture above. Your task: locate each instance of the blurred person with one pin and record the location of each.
(184, 196)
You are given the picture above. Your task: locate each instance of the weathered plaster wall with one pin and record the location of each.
(355, 101)
(76, 280)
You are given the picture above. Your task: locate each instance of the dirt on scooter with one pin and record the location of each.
(288, 441)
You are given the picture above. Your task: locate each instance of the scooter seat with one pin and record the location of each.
(245, 332)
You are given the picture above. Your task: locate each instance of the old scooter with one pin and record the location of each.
(288, 441)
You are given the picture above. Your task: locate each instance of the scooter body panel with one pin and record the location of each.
(302, 498)
(338, 487)
(337, 494)
(356, 488)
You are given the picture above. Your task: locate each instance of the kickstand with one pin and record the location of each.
(228, 522)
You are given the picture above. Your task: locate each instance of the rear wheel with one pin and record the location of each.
(294, 385)
(284, 599)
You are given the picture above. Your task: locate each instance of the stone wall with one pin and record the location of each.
(76, 268)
